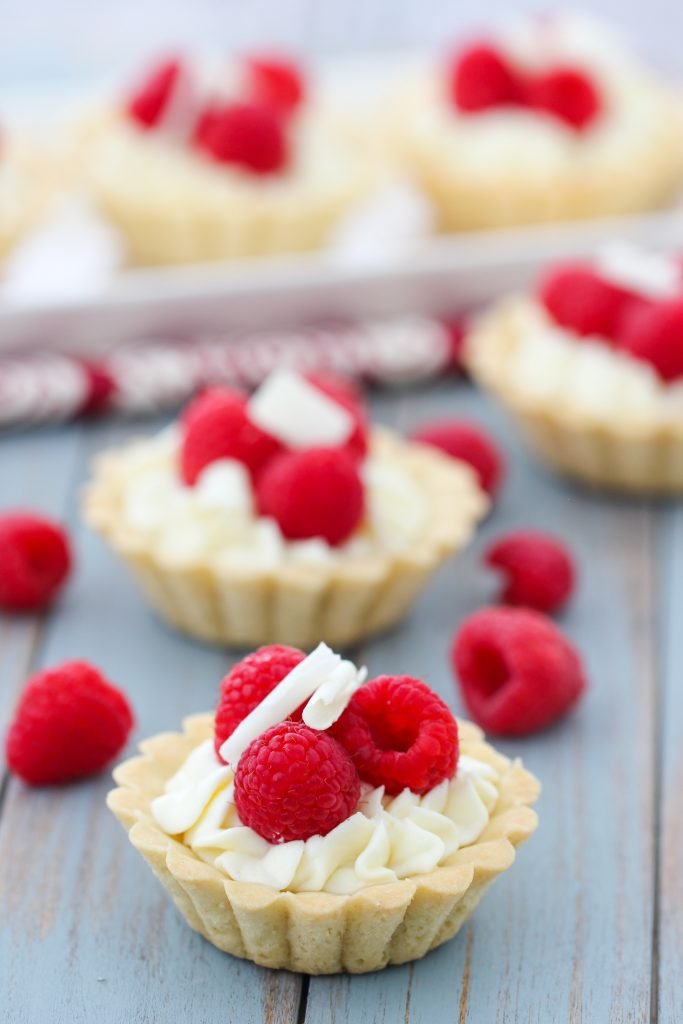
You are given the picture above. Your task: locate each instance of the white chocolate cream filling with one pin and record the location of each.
(386, 839)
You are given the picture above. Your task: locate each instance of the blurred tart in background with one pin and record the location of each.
(553, 120)
(26, 187)
(208, 163)
(590, 365)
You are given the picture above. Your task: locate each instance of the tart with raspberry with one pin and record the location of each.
(552, 120)
(243, 159)
(282, 517)
(590, 365)
(323, 823)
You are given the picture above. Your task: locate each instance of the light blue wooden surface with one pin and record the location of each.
(569, 934)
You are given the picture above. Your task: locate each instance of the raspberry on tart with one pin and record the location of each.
(470, 443)
(248, 682)
(317, 492)
(249, 135)
(70, 723)
(275, 81)
(35, 561)
(538, 569)
(400, 735)
(653, 333)
(517, 672)
(481, 77)
(566, 93)
(581, 300)
(147, 105)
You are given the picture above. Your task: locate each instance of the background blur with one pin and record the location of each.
(46, 41)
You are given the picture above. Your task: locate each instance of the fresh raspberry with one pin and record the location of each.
(100, 390)
(35, 561)
(216, 426)
(147, 105)
(653, 333)
(343, 391)
(293, 782)
(248, 682)
(469, 443)
(567, 94)
(70, 723)
(400, 735)
(275, 82)
(481, 77)
(580, 300)
(538, 569)
(317, 492)
(517, 671)
(247, 134)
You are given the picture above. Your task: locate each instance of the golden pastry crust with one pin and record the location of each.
(625, 453)
(179, 208)
(317, 932)
(340, 602)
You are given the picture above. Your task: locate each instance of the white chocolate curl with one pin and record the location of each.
(298, 413)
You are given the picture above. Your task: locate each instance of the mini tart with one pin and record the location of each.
(173, 205)
(317, 932)
(618, 446)
(342, 602)
(505, 167)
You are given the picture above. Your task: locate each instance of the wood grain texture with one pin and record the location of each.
(567, 935)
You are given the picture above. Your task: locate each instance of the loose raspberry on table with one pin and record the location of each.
(566, 93)
(576, 297)
(147, 105)
(317, 492)
(293, 782)
(400, 735)
(347, 395)
(275, 81)
(481, 77)
(248, 682)
(216, 426)
(471, 444)
(653, 333)
(249, 135)
(70, 723)
(517, 672)
(35, 561)
(538, 569)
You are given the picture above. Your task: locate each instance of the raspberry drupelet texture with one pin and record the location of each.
(216, 426)
(576, 297)
(293, 782)
(248, 682)
(249, 135)
(35, 561)
(69, 724)
(400, 735)
(517, 672)
(538, 569)
(317, 492)
(471, 444)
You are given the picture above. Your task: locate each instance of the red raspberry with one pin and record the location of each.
(653, 333)
(147, 105)
(216, 426)
(293, 782)
(456, 326)
(248, 682)
(275, 82)
(400, 735)
(35, 561)
(469, 443)
(343, 391)
(566, 93)
(247, 134)
(578, 299)
(317, 492)
(517, 671)
(70, 723)
(539, 570)
(481, 78)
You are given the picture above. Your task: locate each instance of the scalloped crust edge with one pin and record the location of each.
(620, 456)
(340, 603)
(317, 932)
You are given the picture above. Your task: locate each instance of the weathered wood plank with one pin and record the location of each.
(75, 898)
(566, 935)
(669, 933)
